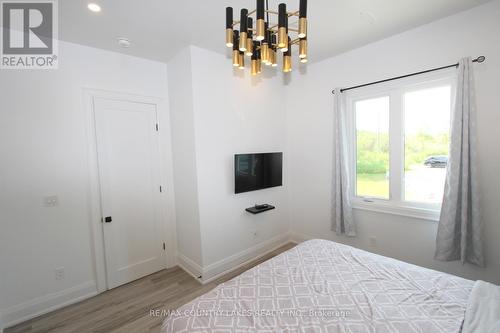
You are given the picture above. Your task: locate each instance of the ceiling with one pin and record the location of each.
(159, 28)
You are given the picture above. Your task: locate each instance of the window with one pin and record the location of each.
(372, 147)
(400, 146)
(427, 126)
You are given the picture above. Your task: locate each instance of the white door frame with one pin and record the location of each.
(94, 195)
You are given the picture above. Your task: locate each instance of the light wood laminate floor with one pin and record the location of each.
(127, 308)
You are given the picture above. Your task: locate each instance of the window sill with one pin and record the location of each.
(400, 210)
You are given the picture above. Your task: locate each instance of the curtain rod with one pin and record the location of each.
(479, 59)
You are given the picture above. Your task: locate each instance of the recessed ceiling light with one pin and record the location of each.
(124, 42)
(93, 7)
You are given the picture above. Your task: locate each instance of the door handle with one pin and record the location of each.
(107, 219)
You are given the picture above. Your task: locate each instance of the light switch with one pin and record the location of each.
(51, 201)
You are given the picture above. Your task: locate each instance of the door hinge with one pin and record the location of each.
(157, 127)
(161, 189)
(163, 246)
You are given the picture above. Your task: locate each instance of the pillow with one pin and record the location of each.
(483, 309)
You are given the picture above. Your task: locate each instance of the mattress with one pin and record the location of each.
(322, 286)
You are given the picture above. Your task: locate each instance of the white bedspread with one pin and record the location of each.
(483, 309)
(322, 286)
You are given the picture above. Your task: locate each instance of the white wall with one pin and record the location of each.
(43, 149)
(235, 113)
(310, 117)
(231, 113)
(184, 159)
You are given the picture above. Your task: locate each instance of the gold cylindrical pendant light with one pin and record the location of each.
(302, 27)
(303, 19)
(249, 50)
(236, 52)
(274, 62)
(229, 37)
(254, 70)
(259, 61)
(260, 24)
(271, 57)
(287, 61)
(243, 30)
(282, 27)
(236, 58)
(243, 42)
(303, 48)
(229, 26)
(254, 67)
(264, 48)
(264, 51)
(241, 60)
(303, 60)
(282, 40)
(260, 30)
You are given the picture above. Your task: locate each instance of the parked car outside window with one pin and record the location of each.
(436, 161)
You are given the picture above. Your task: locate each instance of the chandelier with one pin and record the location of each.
(264, 42)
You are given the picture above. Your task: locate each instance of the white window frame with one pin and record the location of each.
(395, 90)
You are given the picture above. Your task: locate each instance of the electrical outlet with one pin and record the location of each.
(51, 201)
(59, 273)
(255, 234)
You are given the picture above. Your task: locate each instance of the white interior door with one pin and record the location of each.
(128, 159)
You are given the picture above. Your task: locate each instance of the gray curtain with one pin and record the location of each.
(460, 235)
(342, 222)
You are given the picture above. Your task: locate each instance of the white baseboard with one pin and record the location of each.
(189, 266)
(221, 267)
(297, 237)
(45, 304)
(224, 266)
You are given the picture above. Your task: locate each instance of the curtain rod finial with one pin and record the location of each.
(481, 59)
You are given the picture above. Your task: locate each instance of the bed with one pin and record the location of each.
(322, 286)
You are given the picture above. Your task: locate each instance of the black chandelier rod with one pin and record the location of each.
(479, 59)
(267, 9)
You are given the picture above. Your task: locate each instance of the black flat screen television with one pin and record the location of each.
(257, 171)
